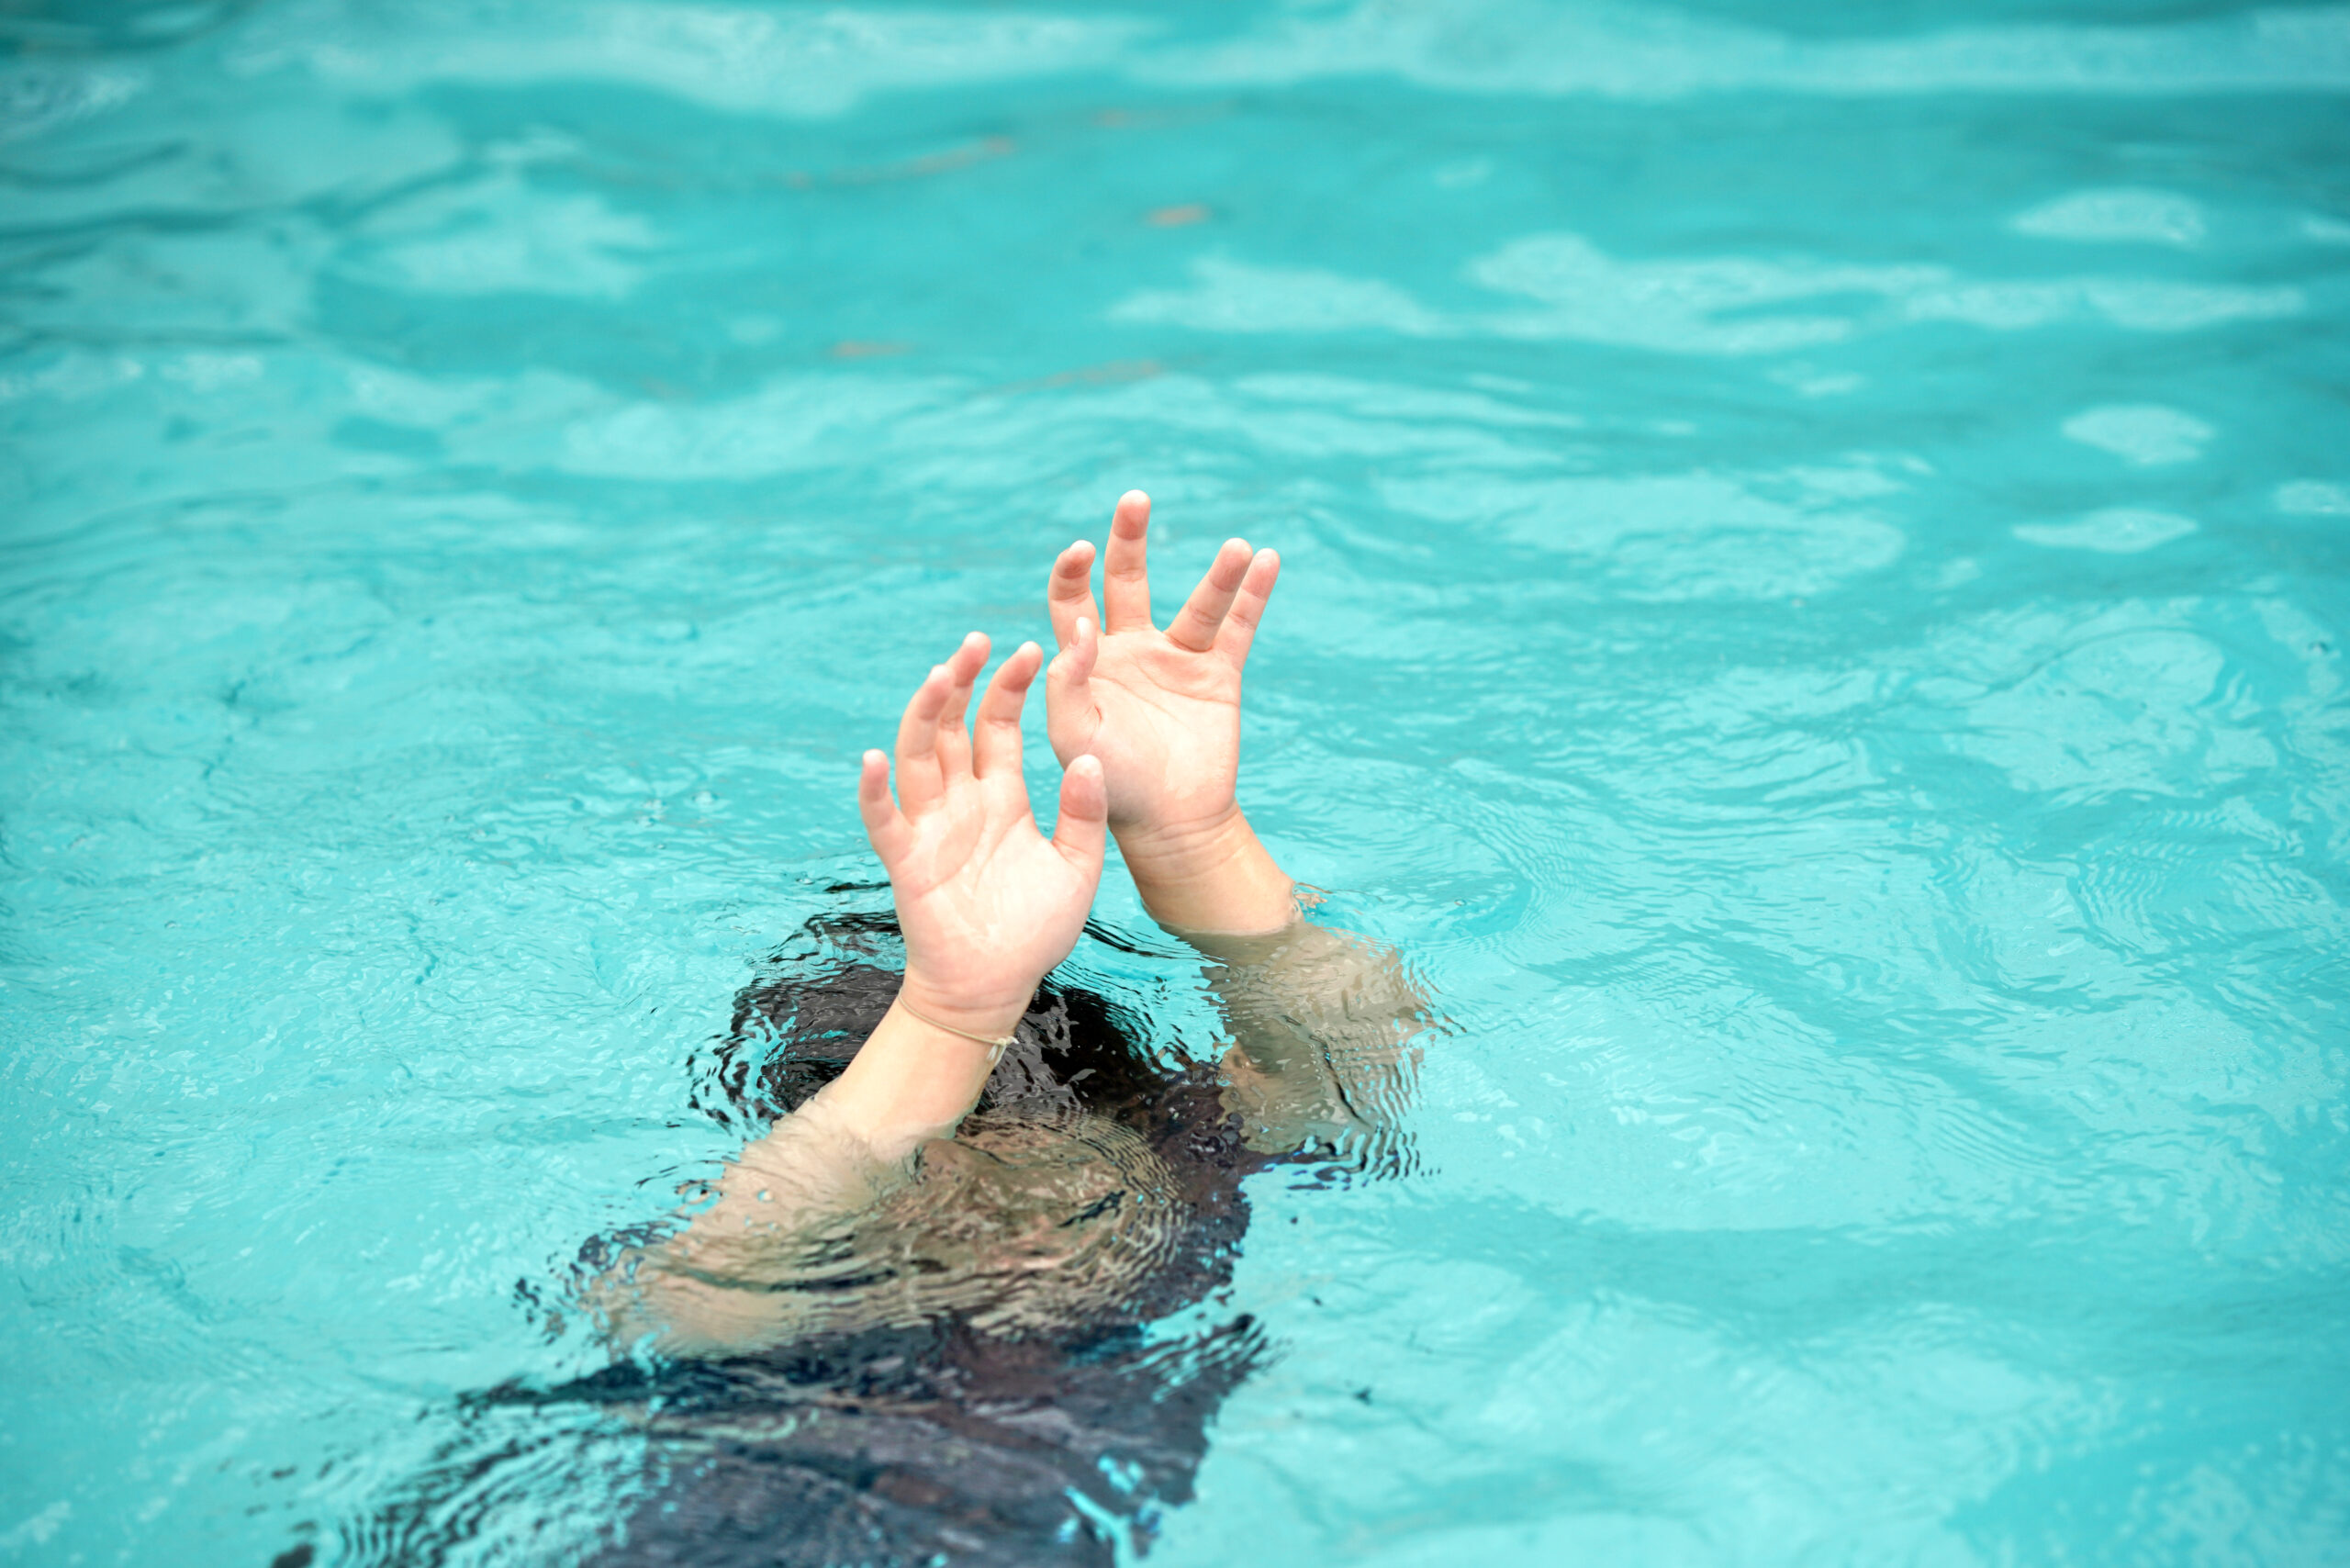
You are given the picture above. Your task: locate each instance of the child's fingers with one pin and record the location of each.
(1069, 592)
(963, 667)
(1248, 607)
(1196, 627)
(919, 779)
(996, 737)
(1085, 816)
(1126, 573)
(885, 825)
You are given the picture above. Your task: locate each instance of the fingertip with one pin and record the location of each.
(873, 779)
(1074, 664)
(1023, 664)
(1084, 794)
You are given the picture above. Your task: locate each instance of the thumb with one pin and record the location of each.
(1085, 815)
(1068, 690)
(884, 823)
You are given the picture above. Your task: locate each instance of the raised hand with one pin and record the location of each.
(986, 903)
(1161, 710)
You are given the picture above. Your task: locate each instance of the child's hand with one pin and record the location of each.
(986, 903)
(1161, 710)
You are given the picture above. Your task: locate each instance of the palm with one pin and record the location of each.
(1161, 709)
(1166, 724)
(982, 894)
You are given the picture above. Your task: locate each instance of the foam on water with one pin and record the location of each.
(1814, 618)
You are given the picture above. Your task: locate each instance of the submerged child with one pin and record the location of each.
(908, 1325)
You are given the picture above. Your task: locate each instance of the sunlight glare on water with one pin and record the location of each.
(1813, 618)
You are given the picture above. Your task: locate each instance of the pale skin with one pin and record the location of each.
(1147, 724)
(1161, 711)
(987, 904)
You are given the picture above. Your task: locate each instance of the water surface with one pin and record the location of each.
(1814, 615)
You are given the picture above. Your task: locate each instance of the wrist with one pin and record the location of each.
(991, 1012)
(1210, 877)
(917, 1074)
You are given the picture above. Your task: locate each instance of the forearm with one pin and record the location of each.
(912, 1081)
(1213, 881)
(1322, 1025)
(708, 1289)
(1322, 1020)
(909, 1082)
(838, 1154)
(1309, 985)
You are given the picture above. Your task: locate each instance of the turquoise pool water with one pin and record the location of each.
(1814, 617)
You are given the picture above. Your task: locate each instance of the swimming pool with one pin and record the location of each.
(1813, 616)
